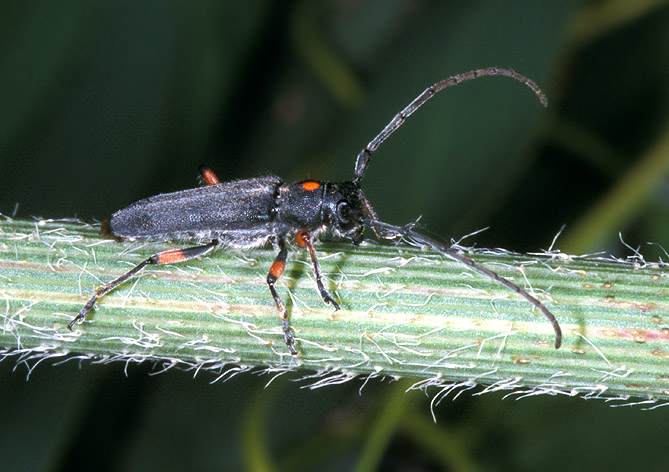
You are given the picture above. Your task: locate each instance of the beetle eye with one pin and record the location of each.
(343, 212)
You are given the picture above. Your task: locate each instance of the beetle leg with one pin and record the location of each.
(304, 240)
(166, 257)
(275, 271)
(207, 177)
(380, 233)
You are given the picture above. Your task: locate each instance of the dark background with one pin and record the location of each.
(104, 103)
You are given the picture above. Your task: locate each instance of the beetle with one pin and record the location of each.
(249, 213)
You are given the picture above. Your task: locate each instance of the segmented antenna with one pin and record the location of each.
(418, 238)
(366, 154)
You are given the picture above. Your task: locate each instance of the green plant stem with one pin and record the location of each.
(405, 313)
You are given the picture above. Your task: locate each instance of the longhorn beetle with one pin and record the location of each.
(249, 213)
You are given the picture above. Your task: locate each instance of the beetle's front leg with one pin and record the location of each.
(303, 239)
(379, 232)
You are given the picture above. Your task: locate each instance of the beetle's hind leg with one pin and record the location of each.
(165, 257)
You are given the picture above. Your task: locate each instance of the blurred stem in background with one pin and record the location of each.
(621, 203)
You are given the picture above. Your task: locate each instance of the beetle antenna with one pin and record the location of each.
(366, 154)
(406, 232)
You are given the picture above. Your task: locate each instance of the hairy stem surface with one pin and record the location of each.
(406, 312)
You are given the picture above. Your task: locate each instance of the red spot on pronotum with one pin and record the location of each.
(277, 269)
(310, 185)
(170, 257)
(301, 238)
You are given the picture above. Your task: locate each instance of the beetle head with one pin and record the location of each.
(343, 210)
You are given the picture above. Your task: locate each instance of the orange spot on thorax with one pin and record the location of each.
(310, 185)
